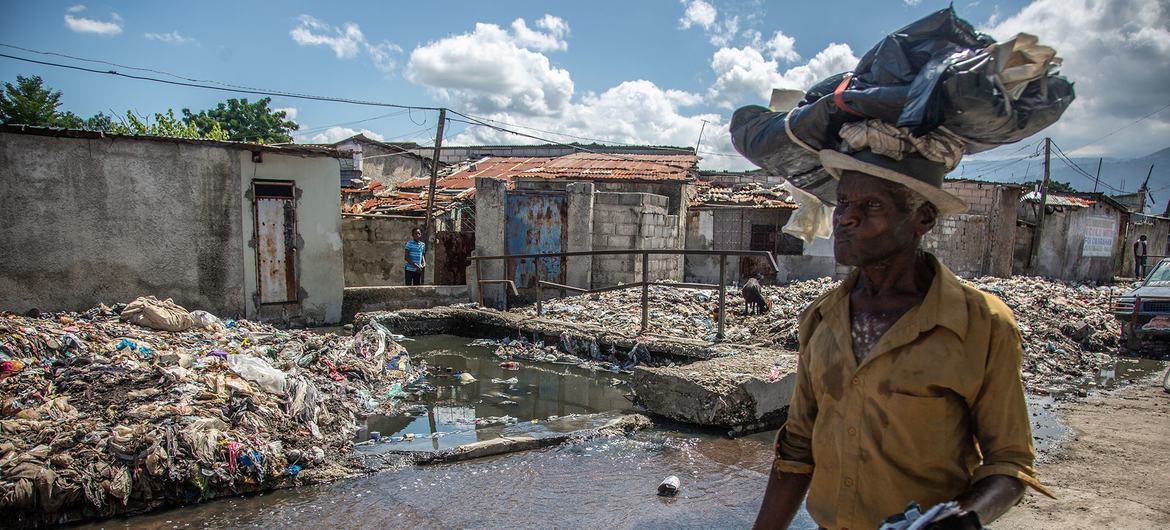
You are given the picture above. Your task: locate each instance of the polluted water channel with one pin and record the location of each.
(598, 482)
(469, 396)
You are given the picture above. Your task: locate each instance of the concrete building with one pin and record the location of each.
(1081, 237)
(385, 163)
(241, 230)
(982, 241)
(580, 202)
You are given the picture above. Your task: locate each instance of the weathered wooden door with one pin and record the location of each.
(276, 237)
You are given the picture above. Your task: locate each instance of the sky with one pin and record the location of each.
(660, 72)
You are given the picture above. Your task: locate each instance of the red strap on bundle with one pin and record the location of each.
(840, 100)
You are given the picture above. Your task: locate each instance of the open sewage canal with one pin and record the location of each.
(595, 482)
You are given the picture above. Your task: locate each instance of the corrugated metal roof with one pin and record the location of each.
(619, 167)
(1053, 199)
(577, 166)
(501, 167)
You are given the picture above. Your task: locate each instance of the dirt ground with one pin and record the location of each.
(1115, 473)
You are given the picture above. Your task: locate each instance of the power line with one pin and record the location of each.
(1068, 161)
(477, 123)
(238, 89)
(1123, 127)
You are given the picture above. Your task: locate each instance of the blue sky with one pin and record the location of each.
(633, 71)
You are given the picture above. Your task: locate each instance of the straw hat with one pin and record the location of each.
(914, 172)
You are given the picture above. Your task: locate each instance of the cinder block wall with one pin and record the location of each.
(623, 221)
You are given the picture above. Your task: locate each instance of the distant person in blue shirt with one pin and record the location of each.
(416, 261)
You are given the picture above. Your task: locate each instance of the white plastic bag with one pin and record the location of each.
(812, 218)
(258, 371)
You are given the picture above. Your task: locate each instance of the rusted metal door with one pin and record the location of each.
(535, 225)
(276, 236)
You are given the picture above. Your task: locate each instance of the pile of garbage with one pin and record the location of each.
(587, 356)
(1068, 329)
(107, 412)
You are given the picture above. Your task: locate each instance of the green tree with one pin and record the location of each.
(29, 102)
(1053, 186)
(163, 125)
(242, 120)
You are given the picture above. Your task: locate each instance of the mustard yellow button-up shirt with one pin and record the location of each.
(937, 405)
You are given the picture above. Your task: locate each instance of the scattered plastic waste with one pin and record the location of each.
(669, 486)
(509, 381)
(111, 414)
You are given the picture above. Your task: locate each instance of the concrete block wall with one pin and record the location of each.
(960, 242)
(373, 249)
(623, 221)
(980, 196)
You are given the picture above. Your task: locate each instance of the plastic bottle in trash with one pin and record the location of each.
(669, 487)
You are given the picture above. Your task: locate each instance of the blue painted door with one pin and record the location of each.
(535, 225)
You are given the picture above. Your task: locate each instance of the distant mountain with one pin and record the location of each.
(1116, 174)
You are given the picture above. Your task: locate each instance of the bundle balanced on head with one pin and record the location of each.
(908, 409)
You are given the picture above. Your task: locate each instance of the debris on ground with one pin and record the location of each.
(1068, 329)
(586, 356)
(100, 416)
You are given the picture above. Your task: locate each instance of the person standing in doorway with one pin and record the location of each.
(1139, 257)
(416, 260)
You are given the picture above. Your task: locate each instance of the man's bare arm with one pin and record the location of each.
(782, 499)
(992, 497)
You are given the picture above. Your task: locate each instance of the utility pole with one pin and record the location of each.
(1098, 178)
(1145, 189)
(434, 174)
(1043, 205)
(698, 143)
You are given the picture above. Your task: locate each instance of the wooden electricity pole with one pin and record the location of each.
(434, 175)
(1032, 261)
(1097, 179)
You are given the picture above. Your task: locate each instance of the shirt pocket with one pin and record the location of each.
(923, 435)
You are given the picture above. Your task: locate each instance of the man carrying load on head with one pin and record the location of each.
(908, 385)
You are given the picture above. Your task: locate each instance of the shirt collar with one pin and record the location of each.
(945, 303)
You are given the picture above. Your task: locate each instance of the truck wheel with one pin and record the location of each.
(1132, 341)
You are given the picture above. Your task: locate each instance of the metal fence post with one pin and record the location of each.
(645, 291)
(722, 293)
(478, 285)
(539, 293)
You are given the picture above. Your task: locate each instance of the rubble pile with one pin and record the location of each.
(1068, 329)
(587, 356)
(101, 416)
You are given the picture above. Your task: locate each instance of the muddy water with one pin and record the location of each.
(447, 416)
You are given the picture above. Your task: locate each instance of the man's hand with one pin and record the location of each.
(960, 521)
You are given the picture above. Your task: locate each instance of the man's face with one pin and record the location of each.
(417, 234)
(871, 223)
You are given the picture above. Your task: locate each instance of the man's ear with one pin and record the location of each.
(925, 219)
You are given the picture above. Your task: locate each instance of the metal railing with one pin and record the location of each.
(644, 284)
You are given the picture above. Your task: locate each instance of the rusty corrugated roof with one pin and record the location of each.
(577, 166)
(501, 167)
(1054, 199)
(619, 167)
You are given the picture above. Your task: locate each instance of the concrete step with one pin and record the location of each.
(730, 392)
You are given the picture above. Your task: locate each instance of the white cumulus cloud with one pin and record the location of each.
(346, 41)
(1118, 54)
(336, 134)
(551, 39)
(290, 113)
(782, 47)
(172, 37)
(491, 70)
(744, 76)
(107, 28)
(698, 13)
